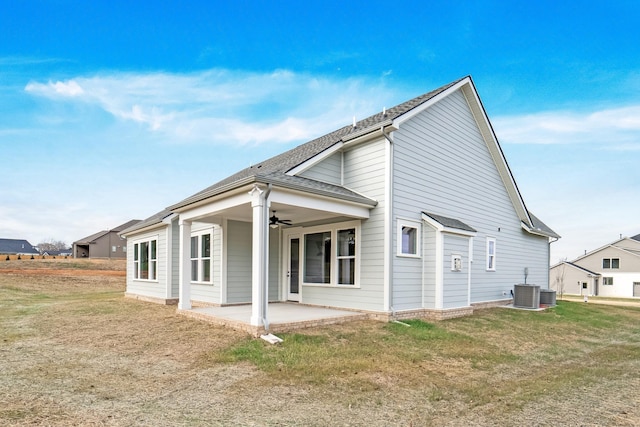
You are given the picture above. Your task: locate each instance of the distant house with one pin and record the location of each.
(17, 247)
(103, 244)
(412, 212)
(612, 270)
(56, 252)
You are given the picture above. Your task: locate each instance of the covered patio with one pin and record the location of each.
(283, 316)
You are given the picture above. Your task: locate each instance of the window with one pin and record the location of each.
(114, 248)
(317, 257)
(491, 254)
(607, 281)
(145, 260)
(610, 263)
(408, 238)
(456, 262)
(331, 256)
(201, 258)
(347, 256)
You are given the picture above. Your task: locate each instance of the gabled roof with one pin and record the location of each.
(275, 168)
(570, 264)
(540, 227)
(16, 246)
(450, 223)
(154, 219)
(613, 245)
(92, 238)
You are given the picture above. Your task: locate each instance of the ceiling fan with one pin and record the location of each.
(274, 221)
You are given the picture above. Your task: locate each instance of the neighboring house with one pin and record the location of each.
(61, 252)
(412, 212)
(610, 271)
(17, 247)
(104, 244)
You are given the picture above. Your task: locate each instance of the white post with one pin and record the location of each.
(258, 258)
(184, 302)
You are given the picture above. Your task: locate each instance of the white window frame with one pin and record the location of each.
(491, 256)
(152, 263)
(199, 259)
(610, 267)
(607, 279)
(406, 223)
(333, 229)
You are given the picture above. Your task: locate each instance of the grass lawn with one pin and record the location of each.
(74, 351)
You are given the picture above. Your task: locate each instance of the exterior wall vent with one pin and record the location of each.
(526, 296)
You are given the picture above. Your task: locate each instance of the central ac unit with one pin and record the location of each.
(526, 296)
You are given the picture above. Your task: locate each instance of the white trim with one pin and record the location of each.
(495, 254)
(199, 233)
(387, 302)
(469, 264)
(439, 271)
(168, 258)
(439, 227)
(400, 223)
(333, 228)
(314, 160)
(223, 261)
(138, 241)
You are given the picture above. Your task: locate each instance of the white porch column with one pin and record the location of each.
(184, 302)
(259, 271)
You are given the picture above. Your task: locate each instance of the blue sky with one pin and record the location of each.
(114, 110)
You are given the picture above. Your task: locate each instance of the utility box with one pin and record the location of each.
(526, 296)
(548, 297)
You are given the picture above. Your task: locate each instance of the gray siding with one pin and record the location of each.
(456, 288)
(329, 170)
(364, 172)
(209, 293)
(157, 288)
(239, 240)
(429, 266)
(442, 165)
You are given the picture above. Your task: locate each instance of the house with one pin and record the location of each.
(612, 270)
(17, 247)
(412, 212)
(58, 252)
(103, 244)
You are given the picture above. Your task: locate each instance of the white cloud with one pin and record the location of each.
(221, 106)
(614, 129)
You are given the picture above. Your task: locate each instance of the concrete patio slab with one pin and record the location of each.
(283, 317)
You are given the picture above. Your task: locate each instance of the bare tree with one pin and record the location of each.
(559, 279)
(52, 245)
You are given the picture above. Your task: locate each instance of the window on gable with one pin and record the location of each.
(201, 257)
(491, 254)
(408, 238)
(610, 263)
(145, 260)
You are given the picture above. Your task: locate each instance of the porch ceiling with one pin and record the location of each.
(298, 216)
(298, 207)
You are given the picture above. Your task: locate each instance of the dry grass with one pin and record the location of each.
(75, 352)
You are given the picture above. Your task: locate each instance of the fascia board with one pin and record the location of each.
(534, 231)
(397, 122)
(491, 140)
(439, 227)
(315, 159)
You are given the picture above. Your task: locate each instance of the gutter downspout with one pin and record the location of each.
(389, 232)
(265, 257)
